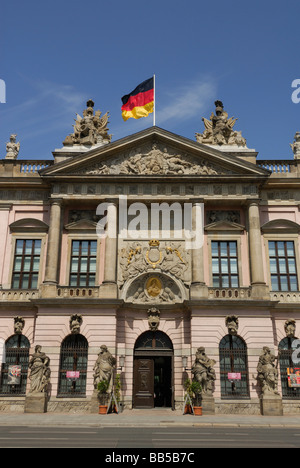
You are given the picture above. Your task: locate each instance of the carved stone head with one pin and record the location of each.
(153, 318)
(19, 325)
(232, 323)
(75, 324)
(290, 328)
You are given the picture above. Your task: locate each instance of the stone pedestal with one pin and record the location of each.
(208, 405)
(36, 403)
(94, 403)
(271, 405)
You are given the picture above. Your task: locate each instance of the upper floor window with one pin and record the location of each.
(225, 264)
(26, 264)
(83, 263)
(283, 266)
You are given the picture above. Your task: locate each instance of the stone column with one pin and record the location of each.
(109, 288)
(198, 289)
(259, 288)
(49, 286)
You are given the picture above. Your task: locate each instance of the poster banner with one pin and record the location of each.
(73, 375)
(234, 376)
(14, 375)
(293, 377)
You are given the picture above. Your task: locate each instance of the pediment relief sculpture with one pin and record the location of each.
(219, 129)
(154, 159)
(137, 258)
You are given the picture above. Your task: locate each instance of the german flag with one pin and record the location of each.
(140, 102)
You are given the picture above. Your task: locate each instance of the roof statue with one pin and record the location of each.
(296, 146)
(89, 130)
(12, 148)
(219, 129)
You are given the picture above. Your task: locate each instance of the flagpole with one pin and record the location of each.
(154, 110)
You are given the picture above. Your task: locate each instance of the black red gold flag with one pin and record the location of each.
(140, 102)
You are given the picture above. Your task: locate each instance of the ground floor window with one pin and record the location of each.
(15, 369)
(234, 368)
(73, 367)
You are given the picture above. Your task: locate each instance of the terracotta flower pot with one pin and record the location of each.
(198, 410)
(102, 409)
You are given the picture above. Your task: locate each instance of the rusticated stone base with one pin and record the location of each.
(238, 407)
(36, 403)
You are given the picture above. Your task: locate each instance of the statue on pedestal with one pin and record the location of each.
(296, 146)
(12, 148)
(40, 372)
(104, 367)
(219, 129)
(267, 373)
(203, 371)
(91, 129)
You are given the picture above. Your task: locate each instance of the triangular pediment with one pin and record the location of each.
(224, 226)
(154, 152)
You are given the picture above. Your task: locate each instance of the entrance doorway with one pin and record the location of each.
(153, 371)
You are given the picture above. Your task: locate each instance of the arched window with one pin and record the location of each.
(285, 359)
(155, 340)
(17, 354)
(234, 368)
(73, 358)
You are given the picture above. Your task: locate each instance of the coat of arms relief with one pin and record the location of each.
(154, 270)
(154, 159)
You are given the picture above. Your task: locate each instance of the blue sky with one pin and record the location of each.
(56, 55)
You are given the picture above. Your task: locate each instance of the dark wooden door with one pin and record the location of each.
(143, 383)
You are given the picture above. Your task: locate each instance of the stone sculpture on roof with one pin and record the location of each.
(296, 145)
(89, 130)
(219, 129)
(12, 148)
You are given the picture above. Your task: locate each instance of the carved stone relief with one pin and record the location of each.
(168, 257)
(75, 323)
(153, 318)
(232, 323)
(233, 216)
(290, 328)
(154, 159)
(19, 324)
(152, 289)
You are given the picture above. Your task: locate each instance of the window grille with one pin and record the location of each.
(234, 360)
(73, 357)
(285, 360)
(17, 354)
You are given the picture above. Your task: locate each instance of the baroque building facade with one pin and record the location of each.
(154, 303)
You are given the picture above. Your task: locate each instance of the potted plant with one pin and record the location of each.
(196, 390)
(103, 396)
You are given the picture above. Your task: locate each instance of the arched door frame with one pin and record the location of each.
(150, 345)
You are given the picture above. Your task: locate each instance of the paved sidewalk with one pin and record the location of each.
(146, 418)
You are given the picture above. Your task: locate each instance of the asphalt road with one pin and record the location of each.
(173, 438)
